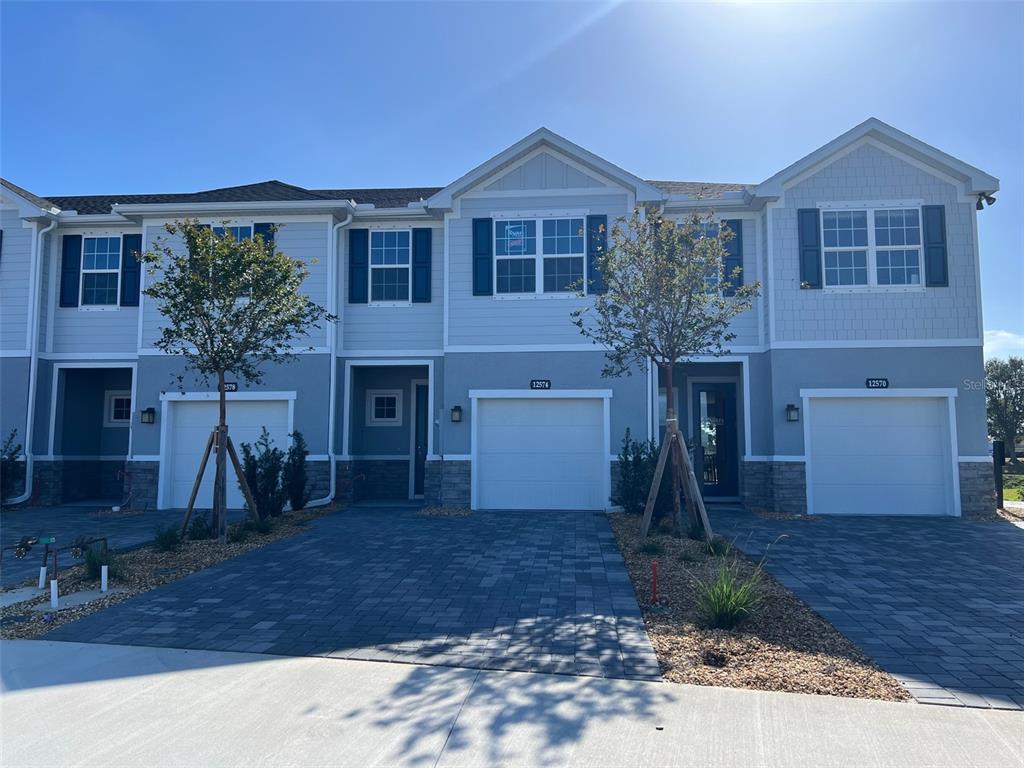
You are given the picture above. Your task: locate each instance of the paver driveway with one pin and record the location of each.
(532, 591)
(938, 603)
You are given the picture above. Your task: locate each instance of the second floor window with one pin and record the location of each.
(101, 271)
(557, 266)
(389, 265)
(872, 248)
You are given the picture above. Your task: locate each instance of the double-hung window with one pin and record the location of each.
(390, 252)
(555, 264)
(872, 247)
(101, 271)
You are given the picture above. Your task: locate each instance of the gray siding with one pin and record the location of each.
(305, 240)
(492, 321)
(15, 269)
(959, 368)
(113, 329)
(513, 370)
(307, 375)
(871, 174)
(14, 396)
(416, 326)
(544, 171)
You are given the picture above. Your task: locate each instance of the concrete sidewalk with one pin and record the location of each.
(74, 704)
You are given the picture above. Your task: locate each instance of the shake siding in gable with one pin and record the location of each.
(872, 174)
(494, 321)
(415, 326)
(14, 279)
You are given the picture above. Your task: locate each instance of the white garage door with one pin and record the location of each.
(540, 454)
(880, 456)
(189, 427)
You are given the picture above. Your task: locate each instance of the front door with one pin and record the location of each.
(422, 428)
(714, 427)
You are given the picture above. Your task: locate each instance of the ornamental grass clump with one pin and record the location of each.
(729, 598)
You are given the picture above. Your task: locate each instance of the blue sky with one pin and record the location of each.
(173, 97)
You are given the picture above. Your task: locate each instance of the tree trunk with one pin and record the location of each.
(220, 485)
(672, 426)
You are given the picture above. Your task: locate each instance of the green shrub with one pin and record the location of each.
(637, 463)
(729, 598)
(719, 546)
(695, 531)
(96, 558)
(237, 532)
(651, 547)
(166, 539)
(262, 465)
(12, 471)
(262, 526)
(293, 473)
(199, 528)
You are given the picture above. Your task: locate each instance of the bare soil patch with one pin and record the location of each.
(141, 570)
(784, 646)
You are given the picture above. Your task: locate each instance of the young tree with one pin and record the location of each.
(1004, 395)
(669, 298)
(229, 306)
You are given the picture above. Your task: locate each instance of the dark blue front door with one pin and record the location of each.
(714, 430)
(422, 430)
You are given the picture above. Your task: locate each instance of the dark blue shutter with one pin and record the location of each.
(265, 229)
(483, 257)
(131, 269)
(734, 257)
(70, 270)
(358, 266)
(936, 270)
(809, 240)
(421, 259)
(597, 242)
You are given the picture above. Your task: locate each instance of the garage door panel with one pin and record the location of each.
(880, 455)
(190, 425)
(540, 453)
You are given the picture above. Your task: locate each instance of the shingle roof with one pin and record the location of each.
(705, 188)
(276, 191)
(36, 200)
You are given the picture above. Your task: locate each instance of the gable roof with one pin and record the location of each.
(40, 204)
(974, 180)
(543, 137)
(702, 188)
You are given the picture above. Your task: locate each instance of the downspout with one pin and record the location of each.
(37, 268)
(332, 406)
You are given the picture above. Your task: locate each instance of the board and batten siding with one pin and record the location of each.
(15, 271)
(306, 240)
(869, 173)
(415, 326)
(495, 320)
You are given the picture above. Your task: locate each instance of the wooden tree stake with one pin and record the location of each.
(246, 491)
(198, 482)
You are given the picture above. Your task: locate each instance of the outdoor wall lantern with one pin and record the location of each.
(792, 413)
(456, 413)
(148, 415)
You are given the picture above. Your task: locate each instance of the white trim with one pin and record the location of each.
(167, 399)
(386, 353)
(108, 408)
(540, 394)
(58, 367)
(88, 356)
(906, 392)
(371, 420)
(371, 266)
(950, 394)
(144, 457)
(452, 457)
(974, 459)
(346, 436)
(857, 205)
(444, 277)
(412, 434)
(875, 343)
(476, 395)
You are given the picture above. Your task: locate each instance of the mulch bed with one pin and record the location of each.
(141, 570)
(784, 646)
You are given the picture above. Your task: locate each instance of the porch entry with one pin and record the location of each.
(713, 409)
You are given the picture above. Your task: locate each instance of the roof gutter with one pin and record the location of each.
(263, 205)
(39, 237)
(332, 406)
